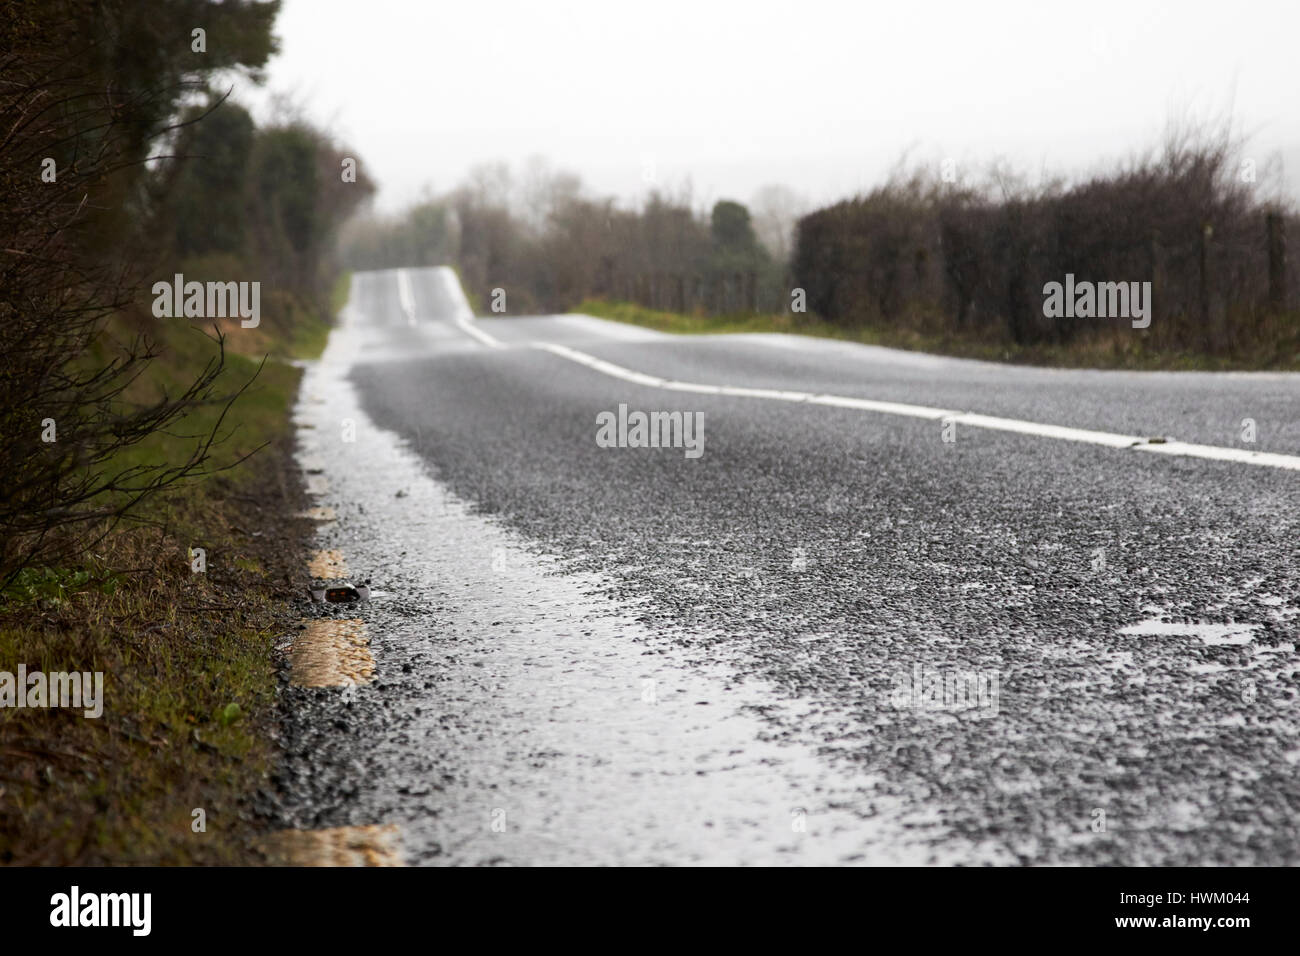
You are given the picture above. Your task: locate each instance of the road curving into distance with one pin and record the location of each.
(902, 608)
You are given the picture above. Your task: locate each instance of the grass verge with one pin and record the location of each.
(187, 657)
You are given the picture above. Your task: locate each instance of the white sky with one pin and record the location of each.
(824, 97)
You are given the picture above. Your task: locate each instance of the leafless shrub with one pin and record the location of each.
(1181, 218)
(60, 377)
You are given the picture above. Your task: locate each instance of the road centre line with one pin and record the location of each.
(970, 419)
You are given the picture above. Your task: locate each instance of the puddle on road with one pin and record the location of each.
(1211, 634)
(528, 721)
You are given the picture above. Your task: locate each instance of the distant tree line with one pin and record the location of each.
(923, 252)
(549, 245)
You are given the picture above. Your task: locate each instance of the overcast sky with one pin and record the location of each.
(824, 97)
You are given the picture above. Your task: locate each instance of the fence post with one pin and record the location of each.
(607, 277)
(1157, 278)
(1276, 261)
(1203, 290)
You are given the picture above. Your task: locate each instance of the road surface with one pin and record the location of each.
(873, 627)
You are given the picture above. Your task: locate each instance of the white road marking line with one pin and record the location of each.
(600, 365)
(467, 326)
(1109, 439)
(463, 315)
(972, 419)
(1218, 453)
(405, 297)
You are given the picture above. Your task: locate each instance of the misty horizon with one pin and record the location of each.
(777, 103)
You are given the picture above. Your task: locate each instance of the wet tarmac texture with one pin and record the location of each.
(621, 655)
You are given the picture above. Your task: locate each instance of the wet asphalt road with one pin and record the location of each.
(1129, 619)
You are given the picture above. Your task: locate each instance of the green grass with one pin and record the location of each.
(187, 658)
(1117, 350)
(55, 585)
(310, 330)
(258, 416)
(341, 290)
(121, 788)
